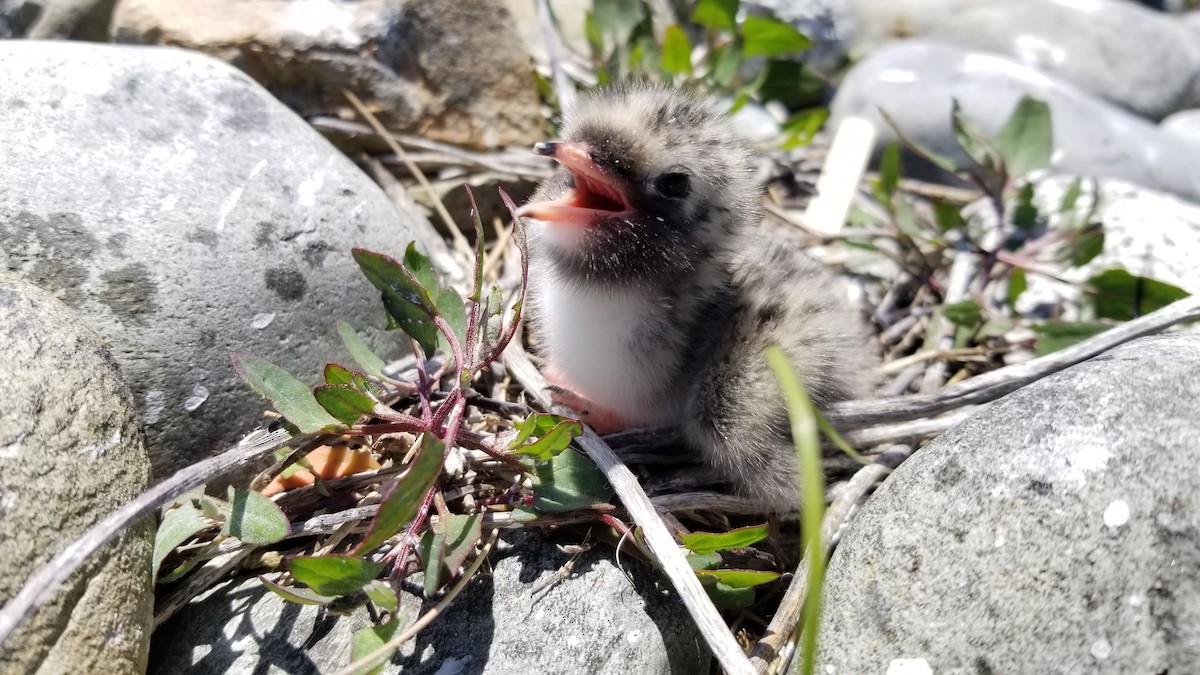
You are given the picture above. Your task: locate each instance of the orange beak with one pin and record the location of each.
(595, 194)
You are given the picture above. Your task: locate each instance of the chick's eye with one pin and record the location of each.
(673, 185)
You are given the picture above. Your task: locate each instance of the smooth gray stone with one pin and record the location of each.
(70, 453)
(1056, 531)
(186, 214)
(1140, 59)
(601, 619)
(915, 82)
(1184, 124)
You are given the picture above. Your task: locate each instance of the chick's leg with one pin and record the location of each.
(599, 418)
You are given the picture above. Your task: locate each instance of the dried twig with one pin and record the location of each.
(39, 586)
(460, 242)
(991, 386)
(563, 88)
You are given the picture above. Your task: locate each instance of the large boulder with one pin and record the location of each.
(186, 214)
(519, 619)
(916, 81)
(70, 453)
(1139, 59)
(1056, 531)
(451, 70)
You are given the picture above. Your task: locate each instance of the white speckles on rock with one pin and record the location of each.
(1100, 649)
(909, 667)
(632, 637)
(153, 406)
(573, 641)
(12, 449)
(7, 501)
(196, 398)
(1117, 513)
(262, 320)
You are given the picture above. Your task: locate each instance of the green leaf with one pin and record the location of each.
(616, 20)
(335, 374)
(334, 574)
(1024, 212)
(567, 482)
(716, 14)
(937, 159)
(422, 270)
(724, 63)
(739, 578)
(255, 519)
(792, 84)
(367, 640)
(802, 419)
(178, 525)
(409, 304)
(344, 402)
(709, 542)
(493, 318)
(801, 128)
(948, 217)
(380, 592)
(1055, 335)
(445, 547)
(450, 305)
(978, 146)
(676, 52)
(1119, 295)
(1017, 284)
(359, 351)
(967, 313)
(725, 596)
(889, 175)
(1027, 139)
(401, 501)
(704, 561)
(1071, 196)
(1088, 245)
(551, 433)
(291, 397)
(770, 37)
(298, 595)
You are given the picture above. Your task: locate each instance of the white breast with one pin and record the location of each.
(586, 338)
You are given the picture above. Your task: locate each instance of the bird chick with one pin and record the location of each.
(653, 294)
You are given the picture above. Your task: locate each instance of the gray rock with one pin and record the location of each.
(1184, 124)
(70, 453)
(1140, 59)
(416, 63)
(1057, 531)
(56, 19)
(186, 214)
(602, 619)
(915, 82)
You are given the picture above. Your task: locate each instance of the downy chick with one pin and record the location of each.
(653, 294)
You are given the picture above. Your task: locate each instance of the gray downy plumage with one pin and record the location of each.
(653, 293)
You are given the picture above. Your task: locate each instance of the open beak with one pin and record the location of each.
(595, 194)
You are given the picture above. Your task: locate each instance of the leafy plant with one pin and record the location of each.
(747, 58)
(1003, 167)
